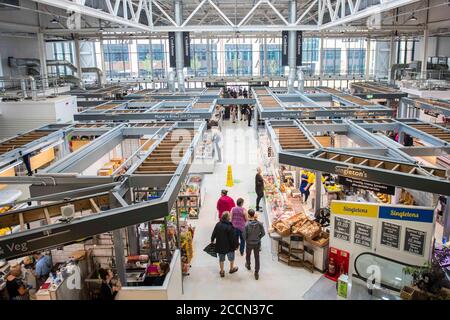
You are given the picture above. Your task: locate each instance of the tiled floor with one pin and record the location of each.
(277, 280)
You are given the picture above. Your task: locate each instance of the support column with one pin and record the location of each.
(119, 254)
(424, 52)
(265, 70)
(292, 47)
(78, 59)
(208, 56)
(391, 59)
(320, 61)
(102, 61)
(318, 196)
(43, 59)
(179, 48)
(446, 220)
(368, 54)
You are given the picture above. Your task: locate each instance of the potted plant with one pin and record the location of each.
(430, 280)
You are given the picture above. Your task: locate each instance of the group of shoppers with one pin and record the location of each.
(239, 228)
(26, 277)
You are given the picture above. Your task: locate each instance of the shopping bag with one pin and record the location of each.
(211, 250)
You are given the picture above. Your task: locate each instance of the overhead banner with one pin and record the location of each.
(367, 185)
(172, 57)
(284, 48)
(299, 49)
(187, 49)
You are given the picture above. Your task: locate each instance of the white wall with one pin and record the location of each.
(17, 48)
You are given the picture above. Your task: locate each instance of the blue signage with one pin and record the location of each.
(406, 214)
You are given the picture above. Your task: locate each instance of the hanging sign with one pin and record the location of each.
(284, 48)
(299, 46)
(187, 49)
(172, 57)
(366, 185)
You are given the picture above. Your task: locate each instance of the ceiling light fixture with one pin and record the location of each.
(413, 17)
(54, 21)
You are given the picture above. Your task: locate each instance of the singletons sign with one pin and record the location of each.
(350, 172)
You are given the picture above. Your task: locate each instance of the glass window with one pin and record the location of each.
(238, 59)
(356, 59)
(331, 61)
(117, 60)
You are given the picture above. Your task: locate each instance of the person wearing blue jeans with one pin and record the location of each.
(225, 239)
(239, 219)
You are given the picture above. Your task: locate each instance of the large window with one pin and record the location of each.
(356, 61)
(238, 59)
(274, 67)
(331, 61)
(62, 51)
(199, 60)
(310, 54)
(117, 60)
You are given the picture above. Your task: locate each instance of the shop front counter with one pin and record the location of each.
(170, 290)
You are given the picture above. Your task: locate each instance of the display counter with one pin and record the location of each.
(68, 284)
(170, 290)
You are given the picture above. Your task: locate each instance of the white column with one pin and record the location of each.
(368, 54)
(425, 51)
(179, 48)
(391, 59)
(265, 70)
(208, 56)
(78, 59)
(43, 59)
(292, 47)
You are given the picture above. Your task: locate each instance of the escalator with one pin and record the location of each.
(387, 275)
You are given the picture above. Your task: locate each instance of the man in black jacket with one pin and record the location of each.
(259, 188)
(226, 242)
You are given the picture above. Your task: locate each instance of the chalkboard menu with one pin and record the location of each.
(390, 235)
(363, 235)
(414, 241)
(342, 228)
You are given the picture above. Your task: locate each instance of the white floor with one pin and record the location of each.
(277, 280)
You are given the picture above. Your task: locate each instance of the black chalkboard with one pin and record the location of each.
(342, 228)
(363, 235)
(414, 241)
(390, 235)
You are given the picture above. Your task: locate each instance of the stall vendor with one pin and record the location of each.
(157, 280)
(43, 267)
(307, 179)
(108, 291)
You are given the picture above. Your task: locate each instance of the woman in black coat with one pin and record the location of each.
(226, 242)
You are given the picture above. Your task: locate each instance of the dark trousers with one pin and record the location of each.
(258, 200)
(249, 118)
(241, 239)
(255, 248)
(306, 193)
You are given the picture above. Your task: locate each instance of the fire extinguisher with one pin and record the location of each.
(331, 267)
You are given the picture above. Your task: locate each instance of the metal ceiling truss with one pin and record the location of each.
(143, 15)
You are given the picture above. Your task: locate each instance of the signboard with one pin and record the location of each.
(367, 185)
(284, 48)
(342, 228)
(408, 214)
(367, 210)
(414, 241)
(390, 235)
(350, 172)
(172, 57)
(363, 235)
(299, 46)
(187, 49)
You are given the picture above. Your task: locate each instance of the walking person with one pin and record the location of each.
(225, 203)
(239, 219)
(233, 113)
(253, 233)
(259, 188)
(217, 139)
(249, 116)
(226, 242)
